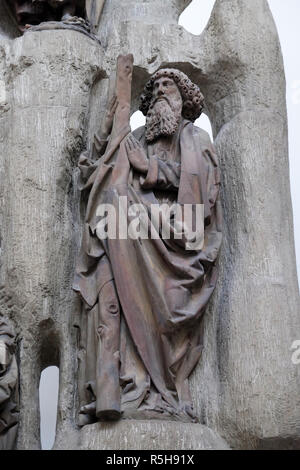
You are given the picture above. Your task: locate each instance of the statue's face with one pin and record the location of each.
(165, 88)
(164, 114)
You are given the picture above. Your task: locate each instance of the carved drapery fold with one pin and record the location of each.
(9, 399)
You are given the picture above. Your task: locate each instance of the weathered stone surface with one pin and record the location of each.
(245, 386)
(257, 300)
(48, 79)
(150, 435)
(8, 28)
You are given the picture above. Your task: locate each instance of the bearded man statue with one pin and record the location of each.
(144, 297)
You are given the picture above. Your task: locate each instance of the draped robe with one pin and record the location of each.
(143, 299)
(9, 398)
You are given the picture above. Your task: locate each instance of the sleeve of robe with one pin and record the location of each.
(88, 165)
(162, 174)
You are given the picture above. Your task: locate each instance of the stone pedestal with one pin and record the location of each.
(48, 78)
(148, 435)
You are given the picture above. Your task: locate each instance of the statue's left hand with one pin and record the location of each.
(136, 154)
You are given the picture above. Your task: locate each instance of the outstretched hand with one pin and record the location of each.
(136, 154)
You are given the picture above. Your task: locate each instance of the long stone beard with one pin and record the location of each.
(162, 120)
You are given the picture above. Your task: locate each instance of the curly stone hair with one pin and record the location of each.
(193, 100)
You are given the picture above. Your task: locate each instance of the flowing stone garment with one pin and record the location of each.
(143, 300)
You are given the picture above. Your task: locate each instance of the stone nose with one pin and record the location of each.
(160, 90)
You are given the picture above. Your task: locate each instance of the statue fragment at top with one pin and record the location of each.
(144, 293)
(83, 15)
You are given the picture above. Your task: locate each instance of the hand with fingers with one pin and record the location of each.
(136, 154)
(109, 118)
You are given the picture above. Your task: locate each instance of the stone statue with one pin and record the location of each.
(9, 400)
(143, 299)
(30, 13)
(246, 387)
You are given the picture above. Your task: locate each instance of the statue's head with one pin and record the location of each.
(168, 97)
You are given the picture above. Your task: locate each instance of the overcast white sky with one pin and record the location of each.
(194, 19)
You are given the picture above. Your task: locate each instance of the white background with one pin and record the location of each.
(194, 19)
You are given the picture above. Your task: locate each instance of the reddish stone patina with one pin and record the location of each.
(144, 299)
